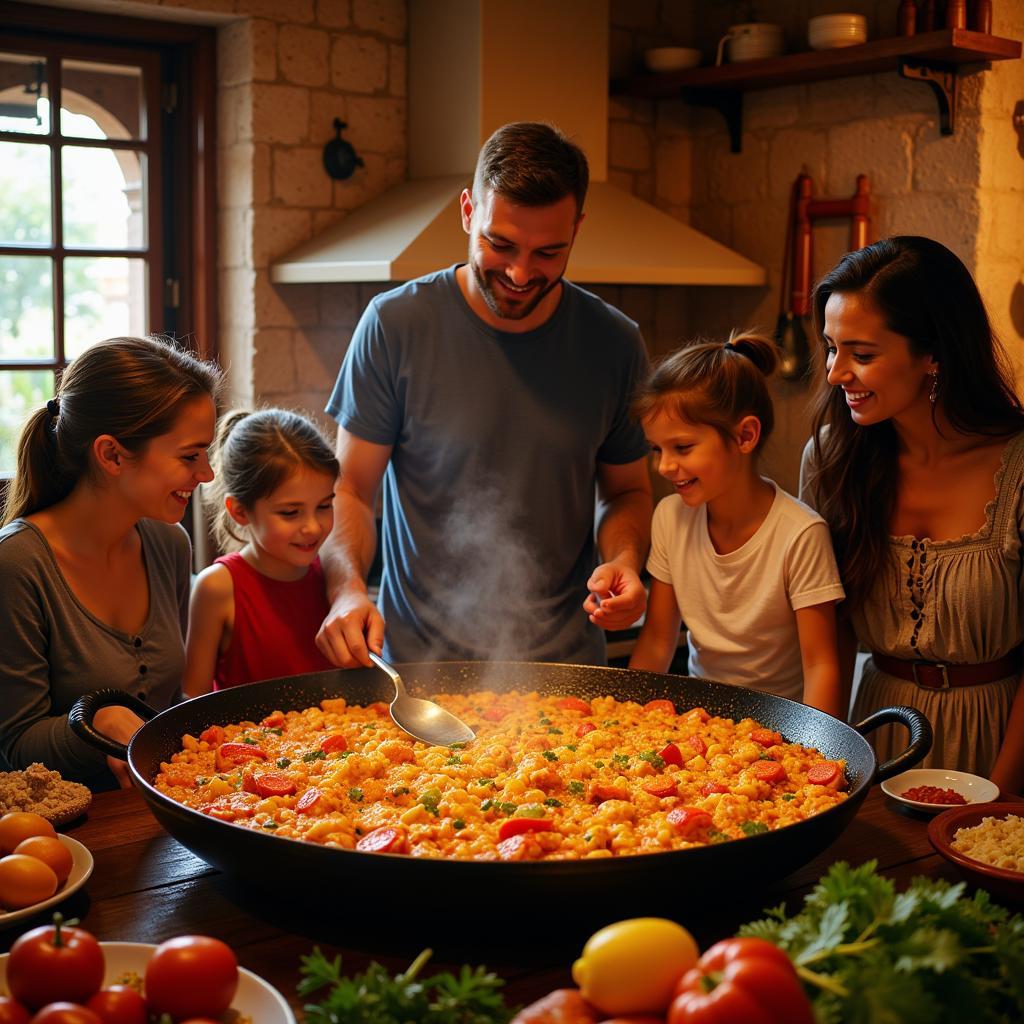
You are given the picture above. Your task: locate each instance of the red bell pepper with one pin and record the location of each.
(748, 980)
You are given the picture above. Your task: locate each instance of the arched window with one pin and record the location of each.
(97, 234)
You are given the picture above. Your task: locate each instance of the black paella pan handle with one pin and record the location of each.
(83, 711)
(920, 738)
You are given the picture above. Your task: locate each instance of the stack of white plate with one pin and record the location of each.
(829, 31)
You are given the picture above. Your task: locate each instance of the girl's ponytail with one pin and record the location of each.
(760, 350)
(223, 526)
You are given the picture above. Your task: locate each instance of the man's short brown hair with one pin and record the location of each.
(532, 164)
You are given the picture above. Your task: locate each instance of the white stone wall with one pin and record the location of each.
(966, 190)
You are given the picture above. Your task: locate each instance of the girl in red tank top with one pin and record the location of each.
(254, 614)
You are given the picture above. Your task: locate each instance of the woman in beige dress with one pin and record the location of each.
(917, 464)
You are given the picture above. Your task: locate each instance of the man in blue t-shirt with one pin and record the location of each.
(492, 400)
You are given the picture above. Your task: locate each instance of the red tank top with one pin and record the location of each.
(275, 628)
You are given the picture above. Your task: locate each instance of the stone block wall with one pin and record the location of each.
(966, 190)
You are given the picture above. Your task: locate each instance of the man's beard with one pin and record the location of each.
(523, 308)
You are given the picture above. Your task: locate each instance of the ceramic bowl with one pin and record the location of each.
(81, 869)
(973, 788)
(1004, 884)
(671, 58)
(255, 998)
(829, 31)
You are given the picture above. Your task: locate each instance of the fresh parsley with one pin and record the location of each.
(928, 955)
(471, 996)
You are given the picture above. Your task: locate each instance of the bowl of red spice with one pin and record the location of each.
(938, 789)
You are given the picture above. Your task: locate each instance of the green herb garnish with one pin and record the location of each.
(283, 762)
(753, 828)
(550, 755)
(314, 755)
(356, 794)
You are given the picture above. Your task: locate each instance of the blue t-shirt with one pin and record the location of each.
(489, 497)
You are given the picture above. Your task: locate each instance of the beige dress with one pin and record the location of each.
(955, 601)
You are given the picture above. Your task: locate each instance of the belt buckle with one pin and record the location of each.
(944, 669)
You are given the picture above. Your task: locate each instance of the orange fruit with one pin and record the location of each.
(50, 850)
(24, 881)
(16, 826)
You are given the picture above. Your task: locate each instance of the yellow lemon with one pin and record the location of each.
(632, 966)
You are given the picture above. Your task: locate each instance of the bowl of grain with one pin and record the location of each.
(986, 843)
(42, 791)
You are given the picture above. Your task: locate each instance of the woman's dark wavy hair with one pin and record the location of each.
(925, 293)
(131, 388)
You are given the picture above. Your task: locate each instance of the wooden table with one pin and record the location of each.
(146, 887)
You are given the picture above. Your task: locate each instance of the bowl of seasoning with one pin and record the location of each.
(937, 789)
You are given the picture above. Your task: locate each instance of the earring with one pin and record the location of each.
(933, 395)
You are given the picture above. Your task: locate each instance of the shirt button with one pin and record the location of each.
(137, 641)
(143, 669)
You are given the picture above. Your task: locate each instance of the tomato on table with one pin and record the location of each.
(119, 1004)
(12, 1012)
(54, 962)
(191, 975)
(66, 1013)
(749, 980)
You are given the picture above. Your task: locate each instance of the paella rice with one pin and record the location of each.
(996, 841)
(547, 778)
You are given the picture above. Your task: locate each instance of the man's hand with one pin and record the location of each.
(617, 597)
(352, 626)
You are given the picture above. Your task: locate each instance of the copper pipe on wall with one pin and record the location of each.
(805, 210)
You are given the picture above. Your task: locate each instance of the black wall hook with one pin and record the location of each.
(340, 159)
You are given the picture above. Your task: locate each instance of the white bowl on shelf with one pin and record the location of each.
(671, 58)
(830, 31)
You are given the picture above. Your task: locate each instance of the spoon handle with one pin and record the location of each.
(391, 673)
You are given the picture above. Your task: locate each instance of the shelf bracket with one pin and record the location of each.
(943, 81)
(729, 104)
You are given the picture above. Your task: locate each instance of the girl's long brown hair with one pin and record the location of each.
(131, 388)
(925, 293)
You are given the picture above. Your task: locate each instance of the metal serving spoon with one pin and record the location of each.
(423, 719)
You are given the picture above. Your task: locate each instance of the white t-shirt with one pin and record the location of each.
(739, 609)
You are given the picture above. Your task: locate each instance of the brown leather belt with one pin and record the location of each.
(933, 675)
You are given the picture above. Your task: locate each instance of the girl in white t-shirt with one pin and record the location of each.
(747, 567)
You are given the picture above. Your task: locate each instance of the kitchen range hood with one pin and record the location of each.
(475, 65)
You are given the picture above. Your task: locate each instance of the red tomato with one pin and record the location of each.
(698, 744)
(747, 980)
(65, 1013)
(687, 820)
(119, 1004)
(713, 787)
(517, 826)
(274, 720)
(671, 754)
(661, 705)
(495, 714)
(12, 1012)
(662, 788)
(334, 742)
(382, 840)
(53, 963)
(697, 715)
(769, 771)
(599, 793)
(584, 727)
(192, 975)
(766, 737)
(214, 736)
(575, 704)
(273, 784)
(235, 752)
(826, 773)
(307, 800)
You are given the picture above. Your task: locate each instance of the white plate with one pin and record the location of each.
(81, 869)
(973, 788)
(255, 998)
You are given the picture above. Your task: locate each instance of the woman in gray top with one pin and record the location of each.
(94, 564)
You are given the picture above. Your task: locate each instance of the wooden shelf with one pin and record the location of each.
(932, 57)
